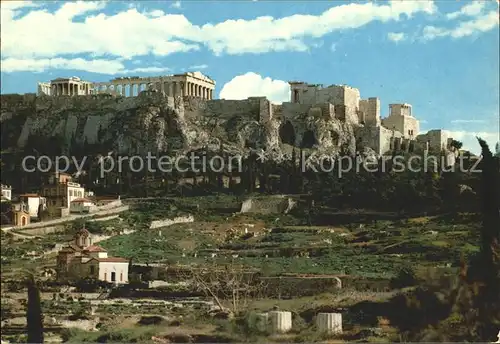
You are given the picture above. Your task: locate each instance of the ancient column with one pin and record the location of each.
(174, 89)
(281, 322)
(162, 86)
(329, 322)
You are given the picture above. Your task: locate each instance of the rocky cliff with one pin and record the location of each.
(154, 123)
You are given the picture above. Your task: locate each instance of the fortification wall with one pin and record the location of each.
(438, 139)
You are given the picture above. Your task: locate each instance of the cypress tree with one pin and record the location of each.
(34, 317)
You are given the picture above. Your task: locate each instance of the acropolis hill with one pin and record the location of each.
(178, 112)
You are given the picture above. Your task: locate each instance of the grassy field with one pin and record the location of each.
(372, 250)
(280, 244)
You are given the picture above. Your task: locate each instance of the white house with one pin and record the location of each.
(82, 259)
(81, 205)
(6, 193)
(34, 202)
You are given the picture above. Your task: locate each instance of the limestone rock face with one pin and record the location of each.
(154, 123)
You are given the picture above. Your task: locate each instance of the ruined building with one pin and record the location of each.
(157, 114)
(192, 84)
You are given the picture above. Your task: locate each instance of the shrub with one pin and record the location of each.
(405, 278)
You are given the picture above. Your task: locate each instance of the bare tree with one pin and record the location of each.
(232, 283)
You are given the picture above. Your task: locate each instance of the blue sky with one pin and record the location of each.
(442, 57)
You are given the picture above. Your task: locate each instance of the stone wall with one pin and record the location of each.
(170, 222)
(379, 139)
(438, 139)
(407, 125)
(371, 111)
(268, 205)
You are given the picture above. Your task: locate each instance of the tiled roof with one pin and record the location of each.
(94, 248)
(71, 248)
(83, 231)
(29, 195)
(112, 260)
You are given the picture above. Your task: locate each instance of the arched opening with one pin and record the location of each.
(308, 140)
(287, 133)
(23, 221)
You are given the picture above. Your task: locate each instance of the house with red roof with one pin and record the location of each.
(82, 259)
(81, 205)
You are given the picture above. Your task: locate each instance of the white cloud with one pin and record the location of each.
(479, 24)
(254, 85)
(176, 4)
(102, 66)
(467, 121)
(40, 65)
(130, 33)
(146, 70)
(469, 140)
(156, 13)
(202, 66)
(471, 10)
(396, 36)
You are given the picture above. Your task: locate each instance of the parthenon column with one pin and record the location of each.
(174, 89)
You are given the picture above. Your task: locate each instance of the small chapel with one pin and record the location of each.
(82, 259)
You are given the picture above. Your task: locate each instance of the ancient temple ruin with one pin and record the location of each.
(192, 84)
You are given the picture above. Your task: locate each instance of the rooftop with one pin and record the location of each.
(112, 260)
(94, 248)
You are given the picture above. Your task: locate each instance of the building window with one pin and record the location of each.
(70, 193)
(113, 276)
(92, 269)
(121, 276)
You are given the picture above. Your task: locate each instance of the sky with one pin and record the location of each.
(440, 56)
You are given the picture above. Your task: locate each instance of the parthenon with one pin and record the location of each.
(192, 84)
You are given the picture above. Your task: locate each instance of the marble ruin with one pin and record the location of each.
(192, 84)
(330, 119)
